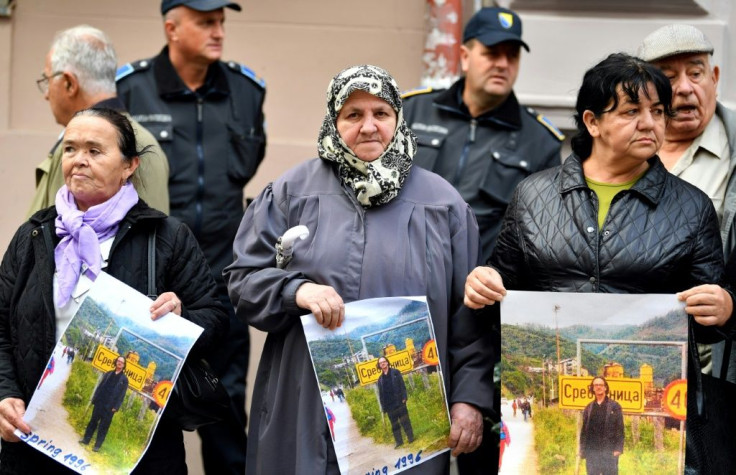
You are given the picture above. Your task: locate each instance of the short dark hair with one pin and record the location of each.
(599, 89)
(126, 135)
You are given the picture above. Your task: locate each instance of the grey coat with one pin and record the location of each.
(424, 242)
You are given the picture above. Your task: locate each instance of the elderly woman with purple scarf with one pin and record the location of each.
(97, 224)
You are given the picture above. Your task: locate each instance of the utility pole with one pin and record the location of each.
(557, 335)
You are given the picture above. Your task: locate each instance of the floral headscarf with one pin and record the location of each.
(379, 181)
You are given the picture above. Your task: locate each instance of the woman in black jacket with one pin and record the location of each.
(612, 219)
(98, 224)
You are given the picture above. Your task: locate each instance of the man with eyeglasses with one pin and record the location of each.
(79, 73)
(602, 433)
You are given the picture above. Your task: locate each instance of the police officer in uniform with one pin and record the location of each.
(476, 134)
(479, 138)
(207, 115)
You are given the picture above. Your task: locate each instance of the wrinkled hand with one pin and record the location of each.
(483, 286)
(466, 428)
(165, 303)
(11, 417)
(709, 304)
(324, 302)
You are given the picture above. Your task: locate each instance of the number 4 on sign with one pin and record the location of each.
(429, 353)
(675, 399)
(161, 392)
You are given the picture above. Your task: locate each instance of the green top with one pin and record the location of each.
(605, 193)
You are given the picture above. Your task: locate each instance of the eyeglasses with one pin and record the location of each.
(43, 83)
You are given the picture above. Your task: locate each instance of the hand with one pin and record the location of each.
(165, 303)
(324, 302)
(483, 286)
(466, 428)
(11, 417)
(709, 304)
(616, 453)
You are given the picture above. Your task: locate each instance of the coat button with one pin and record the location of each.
(590, 229)
(164, 134)
(34, 233)
(523, 163)
(435, 142)
(592, 280)
(143, 63)
(496, 155)
(606, 232)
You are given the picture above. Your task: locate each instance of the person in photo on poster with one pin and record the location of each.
(392, 394)
(612, 219)
(602, 432)
(107, 399)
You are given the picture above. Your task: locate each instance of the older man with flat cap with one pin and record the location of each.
(700, 147)
(700, 140)
(208, 117)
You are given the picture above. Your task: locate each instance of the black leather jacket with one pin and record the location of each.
(214, 140)
(661, 236)
(485, 157)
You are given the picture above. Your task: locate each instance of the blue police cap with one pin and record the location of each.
(199, 5)
(494, 25)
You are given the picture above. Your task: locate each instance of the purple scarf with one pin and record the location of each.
(81, 233)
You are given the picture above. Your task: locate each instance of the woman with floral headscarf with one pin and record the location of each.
(378, 227)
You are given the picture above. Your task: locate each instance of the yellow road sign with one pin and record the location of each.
(104, 360)
(368, 371)
(161, 392)
(429, 353)
(628, 392)
(675, 399)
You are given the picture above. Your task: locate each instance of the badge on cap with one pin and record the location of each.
(506, 19)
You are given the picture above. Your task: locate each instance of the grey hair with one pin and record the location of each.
(88, 53)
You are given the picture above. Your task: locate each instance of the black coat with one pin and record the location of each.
(391, 390)
(483, 157)
(27, 315)
(213, 138)
(612, 430)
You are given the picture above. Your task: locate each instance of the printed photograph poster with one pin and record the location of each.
(86, 415)
(381, 385)
(558, 418)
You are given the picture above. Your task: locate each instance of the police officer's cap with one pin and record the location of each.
(494, 25)
(199, 5)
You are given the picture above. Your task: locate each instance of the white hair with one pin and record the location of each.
(88, 53)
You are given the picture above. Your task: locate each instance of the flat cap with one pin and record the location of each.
(671, 40)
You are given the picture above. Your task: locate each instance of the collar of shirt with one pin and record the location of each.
(712, 141)
(170, 85)
(508, 114)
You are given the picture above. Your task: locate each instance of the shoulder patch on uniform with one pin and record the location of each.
(130, 68)
(416, 92)
(247, 72)
(547, 124)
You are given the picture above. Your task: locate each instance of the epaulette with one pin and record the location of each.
(547, 124)
(130, 68)
(416, 91)
(247, 72)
